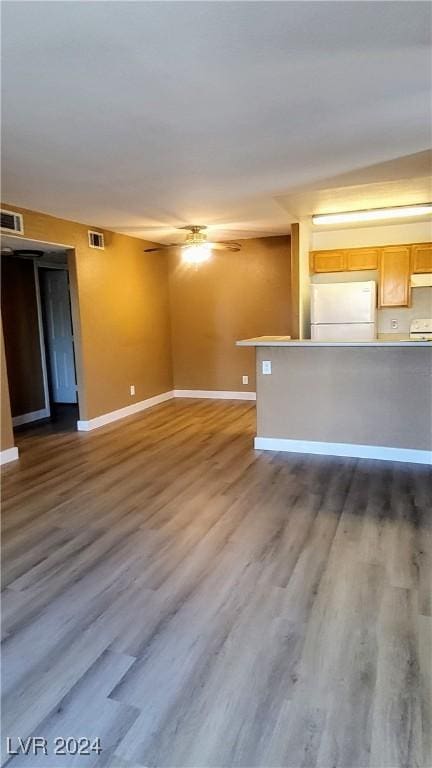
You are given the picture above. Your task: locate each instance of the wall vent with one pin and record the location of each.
(96, 240)
(12, 222)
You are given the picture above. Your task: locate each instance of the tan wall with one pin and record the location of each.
(120, 304)
(21, 335)
(372, 396)
(233, 296)
(7, 438)
(121, 313)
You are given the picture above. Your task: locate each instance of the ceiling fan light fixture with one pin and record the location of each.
(196, 253)
(196, 248)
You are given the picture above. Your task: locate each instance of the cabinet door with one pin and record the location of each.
(362, 258)
(328, 261)
(395, 276)
(421, 258)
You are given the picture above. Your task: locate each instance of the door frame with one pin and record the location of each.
(44, 412)
(40, 265)
(74, 298)
(42, 340)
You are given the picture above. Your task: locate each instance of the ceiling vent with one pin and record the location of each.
(12, 222)
(96, 240)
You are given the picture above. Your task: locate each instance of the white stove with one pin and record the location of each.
(421, 330)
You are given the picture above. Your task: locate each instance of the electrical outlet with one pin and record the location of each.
(266, 367)
(394, 324)
(132, 389)
(245, 379)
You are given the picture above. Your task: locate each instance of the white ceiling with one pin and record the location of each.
(405, 181)
(143, 116)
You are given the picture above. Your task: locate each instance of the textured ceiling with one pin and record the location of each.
(140, 117)
(406, 181)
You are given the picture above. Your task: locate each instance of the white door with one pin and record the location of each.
(59, 335)
(343, 302)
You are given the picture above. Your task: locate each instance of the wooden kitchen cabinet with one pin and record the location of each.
(421, 258)
(362, 258)
(327, 261)
(344, 260)
(395, 264)
(395, 270)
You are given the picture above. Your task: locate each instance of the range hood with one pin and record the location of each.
(421, 281)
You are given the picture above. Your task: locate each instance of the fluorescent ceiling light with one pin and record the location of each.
(196, 254)
(401, 212)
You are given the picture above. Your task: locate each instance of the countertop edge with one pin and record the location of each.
(309, 343)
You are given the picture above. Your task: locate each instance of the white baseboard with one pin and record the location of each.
(215, 394)
(344, 449)
(25, 418)
(10, 454)
(129, 410)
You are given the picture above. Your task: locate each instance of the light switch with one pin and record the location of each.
(266, 367)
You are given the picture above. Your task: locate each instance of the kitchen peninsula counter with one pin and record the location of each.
(285, 341)
(365, 399)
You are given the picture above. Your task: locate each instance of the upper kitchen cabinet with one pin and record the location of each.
(395, 264)
(421, 258)
(344, 259)
(327, 261)
(395, 270)
(362, 258)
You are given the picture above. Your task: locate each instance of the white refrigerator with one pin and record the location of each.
(343, 311)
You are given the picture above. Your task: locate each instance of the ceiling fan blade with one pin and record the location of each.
(225, 246)
(162, 247)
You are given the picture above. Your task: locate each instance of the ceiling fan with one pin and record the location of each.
(196, 248)
(23, 253)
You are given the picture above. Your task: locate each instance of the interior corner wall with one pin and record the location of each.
(121, 307)
(6, 432)
(122, 294)
(300, 280)
(139, 316)
(304, 280)
(234, 295)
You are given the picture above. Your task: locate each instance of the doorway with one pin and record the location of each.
(39, 336)
(59, 343)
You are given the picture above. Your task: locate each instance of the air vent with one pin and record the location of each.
(12, 222)
(96, 240)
